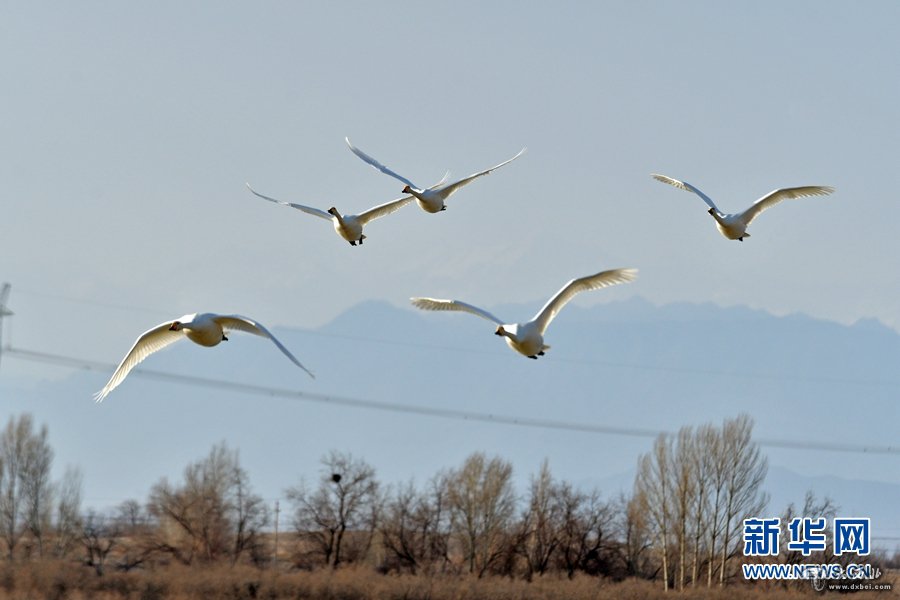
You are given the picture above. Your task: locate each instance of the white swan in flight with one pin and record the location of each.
(206, 329)
(528, 338)
(734, 226)
(430, 199)
(349, 227)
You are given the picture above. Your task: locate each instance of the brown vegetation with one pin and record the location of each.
(465, 534)
(55, 580)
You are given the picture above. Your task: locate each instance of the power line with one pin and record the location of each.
(125, 307)
(445, 413)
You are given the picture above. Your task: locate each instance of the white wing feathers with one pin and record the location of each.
(582, 284)
(776, 196)
(684, 185)
(466, 180)
(366, 158)
(384, 209)
(149, 342)
(457, 305)
(307, 209)
(449, 189)
(250, 326)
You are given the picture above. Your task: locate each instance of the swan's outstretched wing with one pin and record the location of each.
(384, 209)
(366, 158)
(776, 196)
(250, 326)
(684, 185)
(435, 304)
(307, 209)
(149, 342)
(442, 181)
(582, 284)
(446, 191)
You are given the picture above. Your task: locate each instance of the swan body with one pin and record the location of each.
(430, 199)
(349, 227)
(205, 329)
(734, 226)
(528, 338)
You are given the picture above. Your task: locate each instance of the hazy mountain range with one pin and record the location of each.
(627, 365)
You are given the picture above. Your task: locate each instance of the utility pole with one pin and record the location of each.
(275, 553)
(4, 312)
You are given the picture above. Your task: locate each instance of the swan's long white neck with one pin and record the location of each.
(504, 330)
(716, 215)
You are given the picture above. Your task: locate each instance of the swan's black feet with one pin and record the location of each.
(740, 239)
(352, 243)
(541, 353)
(443, 208)
(360, 241)
(224, 339)
(533, 356)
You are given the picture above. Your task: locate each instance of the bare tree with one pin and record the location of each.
(132, 529)
(250, 516)
(684, 475)
(813, 509)
(415, 527)
(212, 515)
(700, 526)
(542, 523)
(120, 533)
(26, 493)
(586, 518)
(747, 470)
(346, 499)
(13, 444)
(715, 463)
(68, 510)
(99, 535)
(37, 489)
(634, 537)
(482, 503)
(653, 490)
(696, 490)
(400, 529)
(131, 515)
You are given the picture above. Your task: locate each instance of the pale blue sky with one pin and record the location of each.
(127, 132)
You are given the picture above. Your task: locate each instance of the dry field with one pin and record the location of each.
(57, 581)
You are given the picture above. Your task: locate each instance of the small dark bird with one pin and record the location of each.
(336, 477)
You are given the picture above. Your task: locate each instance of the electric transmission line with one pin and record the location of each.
(445, 413)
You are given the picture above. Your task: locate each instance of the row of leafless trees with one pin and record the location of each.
(467, 519)
(28, 498)
(681, 524)
(695, 490)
